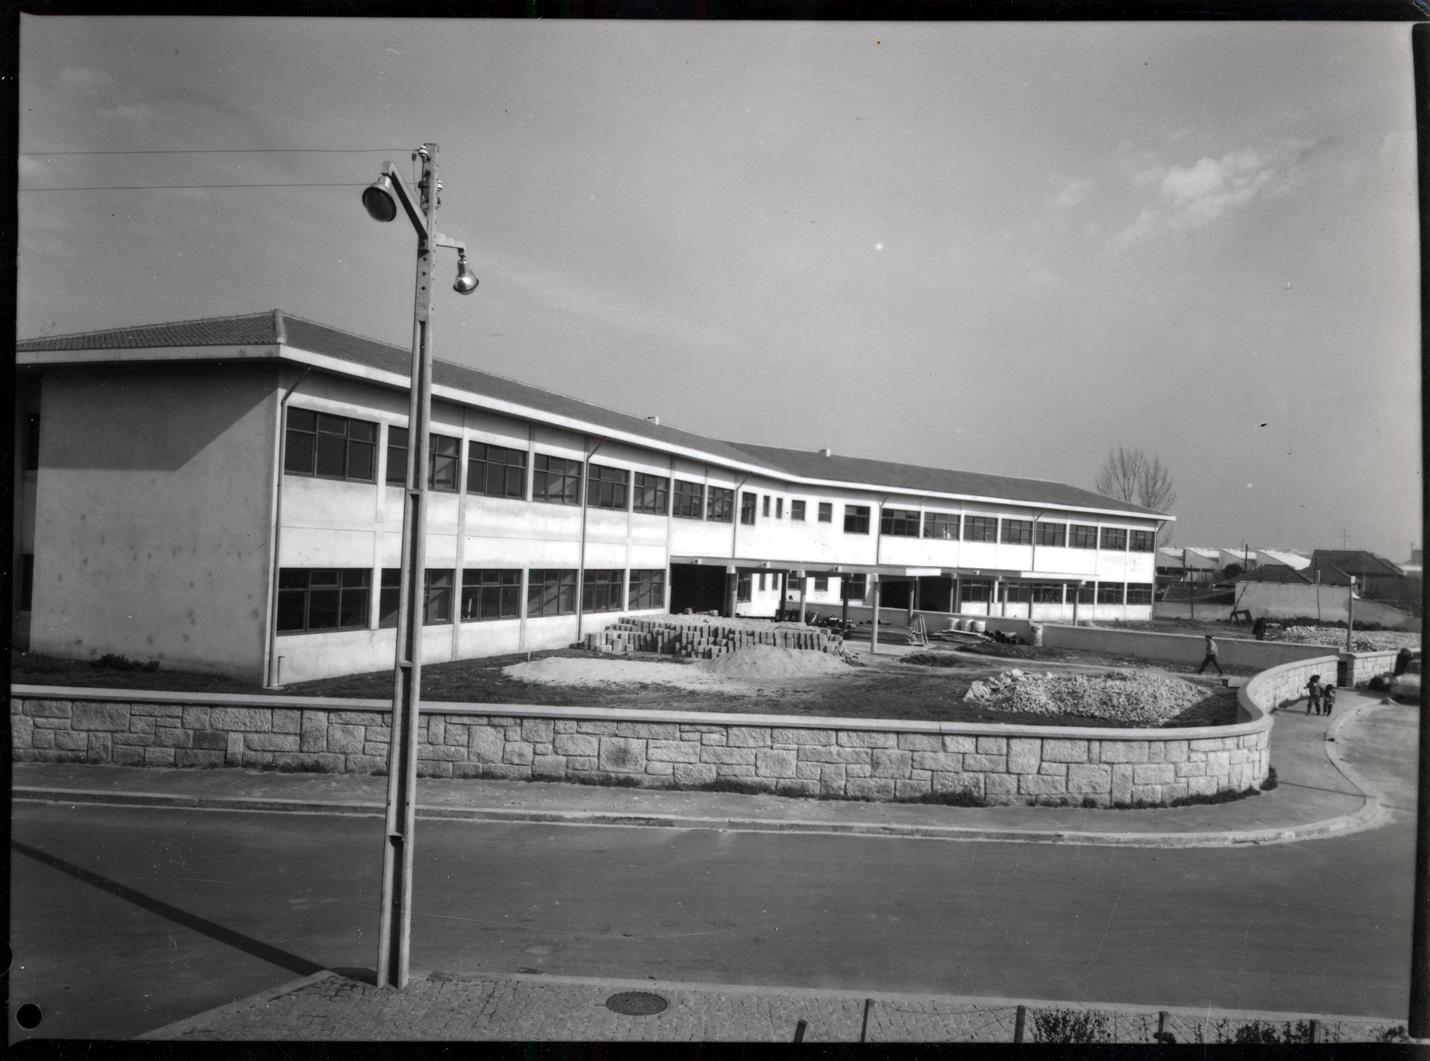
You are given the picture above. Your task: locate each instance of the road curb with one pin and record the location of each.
(1370, 815)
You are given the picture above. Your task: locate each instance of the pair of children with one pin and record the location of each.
(1319, 698)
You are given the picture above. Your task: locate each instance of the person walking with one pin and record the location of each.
(1211, 657)
(1328, 699)
(1313, 694)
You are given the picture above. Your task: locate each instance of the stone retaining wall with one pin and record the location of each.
(864, 759)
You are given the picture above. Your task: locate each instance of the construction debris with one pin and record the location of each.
(702, 637)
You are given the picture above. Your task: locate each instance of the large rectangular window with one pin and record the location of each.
(856, 519)
(1047, 592)
(496, 471)
(1051, 534)
(821, 583)
(388, 597)
(1017, 592)
(397, 456)
(826, 512)
(1086, 593)
(689, 500)
(1141, 541)
(1139, 593)
(437, 597)
(444, 463)
(1082, 536)
(854, 587)
(980, 528)
(796, 510)
(652, 494)
(1109, 593)
(722, 505)
(603, 590)
(491, 593)
(647, 588)
(747, 508)
(900, 522)
(1018, 532)
(1114, 538)
(329, 447)
(744, 587)
(975, 590)
(607, 486)
(323, 598)
(551, 592)
(942, 525)
(556, 480)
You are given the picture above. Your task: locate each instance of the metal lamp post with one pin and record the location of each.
(382, 200)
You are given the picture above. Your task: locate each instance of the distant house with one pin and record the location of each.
(1190, 566)
(1376, 577)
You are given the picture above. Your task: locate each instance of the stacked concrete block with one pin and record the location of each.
(705, 639)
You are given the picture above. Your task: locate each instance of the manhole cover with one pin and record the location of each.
(636, 1004)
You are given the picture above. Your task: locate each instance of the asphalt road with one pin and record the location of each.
(127, 919)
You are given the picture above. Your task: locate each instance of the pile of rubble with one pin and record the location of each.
(706, 637)
(1131, 699)
(1335, 637)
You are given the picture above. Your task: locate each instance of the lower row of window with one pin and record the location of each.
(340, 598)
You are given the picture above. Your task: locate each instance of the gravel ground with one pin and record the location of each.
(1125, 698)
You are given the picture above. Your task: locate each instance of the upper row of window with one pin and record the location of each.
(340, 447)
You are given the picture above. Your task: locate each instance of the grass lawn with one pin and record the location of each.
(888, 689)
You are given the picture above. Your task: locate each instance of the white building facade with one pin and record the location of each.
(226, 495)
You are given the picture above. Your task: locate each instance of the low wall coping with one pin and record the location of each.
(1266, 677)
(1254, 724)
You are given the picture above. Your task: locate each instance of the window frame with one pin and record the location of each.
(1107, 589)
(1143, 591)
(749, 503)
(900, 522)
(359, 593)
(796, 510)
(857, 518)
(444, 452)
(561, 581)
(681, 498)
(947, 520)
(720, 504)
(826, 512)
(980, 528)
(1015, 531)
(437, 599)
(1146, 538)
(1078, 533)
(491, 594)
(645, 588)
(348, 446)
(399, 466)
(487, 461)
(656, 487)
(608, 487)
(547, 470)
(1054, 535)
(1112, 534)
(598, 584)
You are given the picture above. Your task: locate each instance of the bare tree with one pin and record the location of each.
(1131, 475)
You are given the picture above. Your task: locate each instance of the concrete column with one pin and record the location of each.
(874, 635)
(803, 590)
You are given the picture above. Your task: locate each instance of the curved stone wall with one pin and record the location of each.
(1284, 685)
(843, 757)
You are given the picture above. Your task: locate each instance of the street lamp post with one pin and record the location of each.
(382, 200)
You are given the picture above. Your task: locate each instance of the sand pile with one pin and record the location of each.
(759, 662)
(1128, 698)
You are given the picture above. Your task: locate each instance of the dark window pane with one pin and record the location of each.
(298, 454)
(332, 456)
(291, 605)
(360, 460)
(322, 609)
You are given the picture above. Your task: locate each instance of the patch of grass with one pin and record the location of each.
(28, 668)
(1270, 782)
(936, 659)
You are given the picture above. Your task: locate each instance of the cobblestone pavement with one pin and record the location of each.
(328, 1007)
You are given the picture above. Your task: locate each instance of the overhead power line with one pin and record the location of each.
(181, 187)
(227, 151)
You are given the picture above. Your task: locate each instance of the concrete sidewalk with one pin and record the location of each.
(1320, 793)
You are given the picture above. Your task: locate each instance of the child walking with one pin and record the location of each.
(1328, 699)
(1313, 694)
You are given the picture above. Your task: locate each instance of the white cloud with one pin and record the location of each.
(1194, 195)
(84, 80)
(1072, 193)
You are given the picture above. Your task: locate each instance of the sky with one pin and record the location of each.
(996, 247)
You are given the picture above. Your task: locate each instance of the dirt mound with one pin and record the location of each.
(767, 661)
(1361, 641)
(1129, 699)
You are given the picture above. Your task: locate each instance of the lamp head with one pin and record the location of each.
(466, 282)
(379, 199)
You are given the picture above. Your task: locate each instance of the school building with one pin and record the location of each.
(226, 494)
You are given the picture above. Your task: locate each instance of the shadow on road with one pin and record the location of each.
(263, 951)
